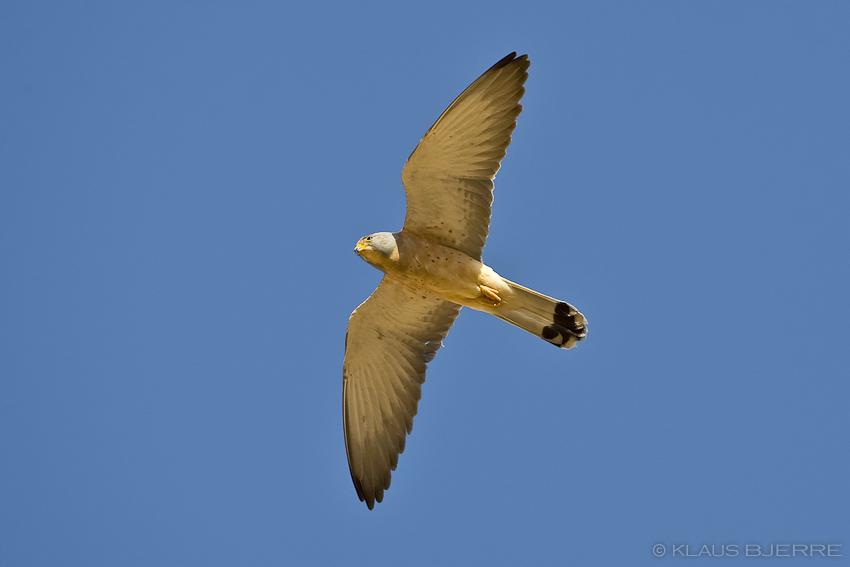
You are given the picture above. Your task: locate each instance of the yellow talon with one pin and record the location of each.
(491, 294)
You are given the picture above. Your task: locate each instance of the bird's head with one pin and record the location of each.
(378, 249)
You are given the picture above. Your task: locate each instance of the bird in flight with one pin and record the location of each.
(432, 268)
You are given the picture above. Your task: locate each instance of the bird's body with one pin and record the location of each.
(432, 268)
(421, 263)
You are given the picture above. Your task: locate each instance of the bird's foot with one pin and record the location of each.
(490, 295)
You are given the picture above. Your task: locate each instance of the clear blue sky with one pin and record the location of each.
(182, 188)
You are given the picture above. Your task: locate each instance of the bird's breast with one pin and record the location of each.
(446, 272)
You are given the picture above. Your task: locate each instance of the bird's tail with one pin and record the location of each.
(555, 321)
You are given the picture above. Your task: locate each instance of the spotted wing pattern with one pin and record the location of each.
(448, 178)
(391, 338)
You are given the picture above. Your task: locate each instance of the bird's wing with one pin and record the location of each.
(449, 176)
(391, 338)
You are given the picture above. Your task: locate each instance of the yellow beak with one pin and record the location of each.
(361, 246)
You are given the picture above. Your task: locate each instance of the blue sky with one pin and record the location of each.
(182, 187)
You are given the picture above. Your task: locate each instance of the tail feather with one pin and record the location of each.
(550, 319)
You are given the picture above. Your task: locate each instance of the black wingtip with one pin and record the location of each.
(510, 57)
(369, 500)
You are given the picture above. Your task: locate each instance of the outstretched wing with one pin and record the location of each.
(449, 176)
(391, 338)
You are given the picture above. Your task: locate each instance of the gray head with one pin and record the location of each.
(377, 249)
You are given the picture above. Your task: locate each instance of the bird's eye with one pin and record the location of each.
(368, 239)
